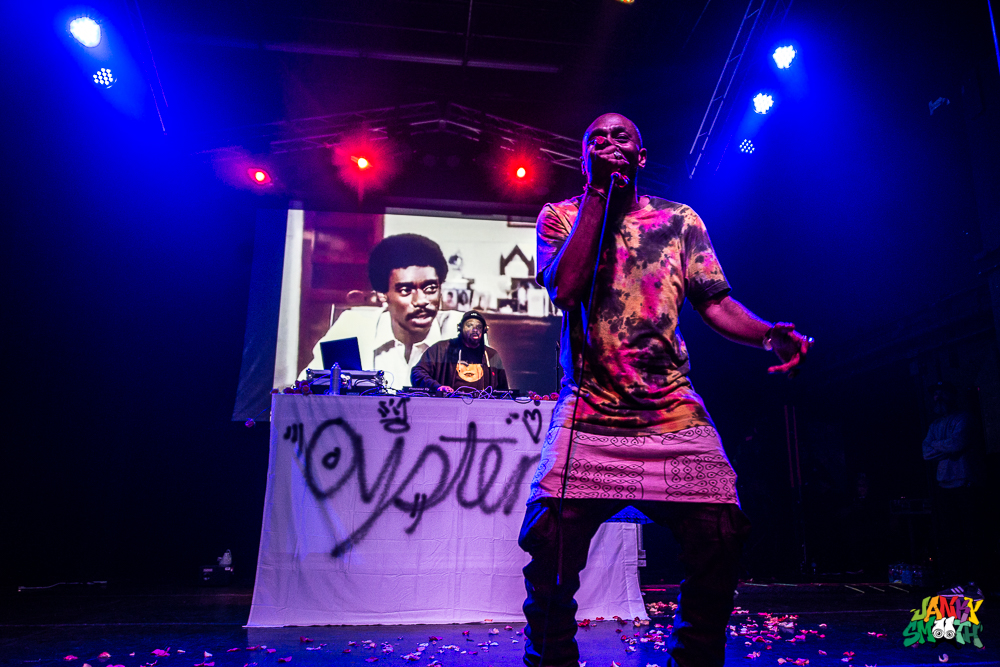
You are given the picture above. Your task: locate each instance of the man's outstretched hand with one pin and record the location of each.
(790, 346)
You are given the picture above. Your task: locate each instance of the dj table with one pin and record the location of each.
(385, 510)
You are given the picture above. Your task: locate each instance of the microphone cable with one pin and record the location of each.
(585, 317)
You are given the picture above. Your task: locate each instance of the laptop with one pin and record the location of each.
(344, 351)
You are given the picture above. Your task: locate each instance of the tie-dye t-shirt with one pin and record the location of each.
(637, 362)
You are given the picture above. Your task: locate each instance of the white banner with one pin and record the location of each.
(384, 511)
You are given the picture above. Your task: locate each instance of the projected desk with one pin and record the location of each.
(386, 511)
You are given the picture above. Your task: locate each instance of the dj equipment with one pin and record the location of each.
(351, 382)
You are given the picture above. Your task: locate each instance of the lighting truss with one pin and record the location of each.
(399, 122)
(756, 18)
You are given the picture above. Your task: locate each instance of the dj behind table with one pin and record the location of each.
(462, 362)
(346, 377)
(527, 345)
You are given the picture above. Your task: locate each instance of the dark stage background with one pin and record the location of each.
(870, 223)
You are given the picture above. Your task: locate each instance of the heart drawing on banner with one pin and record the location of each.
(533, 422)
(392, 488)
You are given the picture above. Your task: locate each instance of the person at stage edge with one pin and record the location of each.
(406, 271)
(464, 361)
(640, 434)
(950, 445)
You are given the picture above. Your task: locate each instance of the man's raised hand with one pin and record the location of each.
(790, 346)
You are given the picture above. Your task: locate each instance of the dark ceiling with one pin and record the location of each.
(534, 62)
(552, 65)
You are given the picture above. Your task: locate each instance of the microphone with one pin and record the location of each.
(618, 178)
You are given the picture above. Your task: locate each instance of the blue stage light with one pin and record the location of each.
(86, 30)
(762, 103)
(104, 77)
(783, 56)
(746, 146)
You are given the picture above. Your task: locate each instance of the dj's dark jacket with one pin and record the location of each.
(439, 367)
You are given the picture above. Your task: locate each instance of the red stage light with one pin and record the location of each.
(518, 171)
(364, 161)
(259, 176)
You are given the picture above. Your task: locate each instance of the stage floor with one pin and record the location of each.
(861, 624)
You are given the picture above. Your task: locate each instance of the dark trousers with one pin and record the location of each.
(711, 538)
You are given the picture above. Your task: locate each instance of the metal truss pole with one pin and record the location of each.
(755, 21)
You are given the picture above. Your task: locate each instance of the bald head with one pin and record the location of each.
(606, 124)
(612, 145)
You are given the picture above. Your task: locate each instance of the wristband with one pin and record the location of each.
(592, 189)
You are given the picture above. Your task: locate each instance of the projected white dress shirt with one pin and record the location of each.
(380, 351)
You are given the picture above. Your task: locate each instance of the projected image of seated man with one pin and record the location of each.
(463, 361)
(406, 271)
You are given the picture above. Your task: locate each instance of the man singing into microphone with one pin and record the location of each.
(629, 428)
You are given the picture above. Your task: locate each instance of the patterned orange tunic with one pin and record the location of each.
(639, 430)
